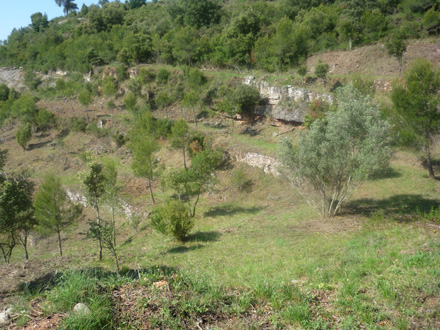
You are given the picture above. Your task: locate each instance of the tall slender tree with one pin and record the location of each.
(53, 210)
(68, 5)
(95, 186)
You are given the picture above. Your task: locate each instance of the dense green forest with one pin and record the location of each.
(270, 35)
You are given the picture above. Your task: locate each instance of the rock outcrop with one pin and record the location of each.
(285, 103)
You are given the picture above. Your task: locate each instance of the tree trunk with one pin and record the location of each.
(98, 218)
(151, 191)
(429, 164)
(194, 116)
(114, 224)
(59, 242)
(184, 159)
(349, 43)
(400, 65)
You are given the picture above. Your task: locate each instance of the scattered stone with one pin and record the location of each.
(81, 308)
(250, 131)
(5, 316)
(275, 134)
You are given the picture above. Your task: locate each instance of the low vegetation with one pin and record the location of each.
(135, 193)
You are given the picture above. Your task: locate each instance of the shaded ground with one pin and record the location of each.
(17, 277)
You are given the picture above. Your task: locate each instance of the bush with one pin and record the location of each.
(146, 75)
(24, 135)
(173, 219)
(108, 87)
(130, 101)
(4, 92)
(240, 180)
(78, 124)
(162, 76)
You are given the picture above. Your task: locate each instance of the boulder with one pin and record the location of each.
(81, 308)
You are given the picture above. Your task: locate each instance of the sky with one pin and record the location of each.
(17, 13)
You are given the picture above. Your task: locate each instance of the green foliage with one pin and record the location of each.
(173, 219)
(321, 70)
(78, 124)
(335, 155)
(68, 5)
(364, 85)
(24, 108)
(23, 134)
(85, 97)
(31, 80)
(130, 101)
(81, 286)
(39, 22)
(396, 46)
(240, 180)
(144, 146)
(199, 177)
(431, 21)
(317, 110)
(415, 107)
(4, 92)
(179, 137)
(16, 213)
(104, 232)
(53, 210)
(302, 70)
(45, 120)
(109, 87)
(246, 99)
(162, 76)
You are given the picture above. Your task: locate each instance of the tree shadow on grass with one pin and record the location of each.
(38, 145)
(396, 206)
(228, 209)
(184, 249)
(52, 279)
(389, 173)
(204, 236)
(62, 134)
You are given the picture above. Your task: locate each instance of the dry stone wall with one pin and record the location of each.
(287, 103)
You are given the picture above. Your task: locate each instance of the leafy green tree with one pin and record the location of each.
(431, 21)
(45, 120)
(24, 108)
(179, 138)
(246, 99)
(133, 4)
(39, 22)
(191, 100)
(337, 153)
(53, 210)
(173, 219)
(144, 146)
(321, 71)
(415, 108)
(4, 92)
(302, 71)
(95, 188)
(16, 214)
(112, 190)
(104, 233)
(68, 5)
(200, 13)
(199, 177)
(24, 134)
(396, 46)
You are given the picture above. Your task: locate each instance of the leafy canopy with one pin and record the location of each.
(337, 153)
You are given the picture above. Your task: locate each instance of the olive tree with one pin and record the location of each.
(338, 152)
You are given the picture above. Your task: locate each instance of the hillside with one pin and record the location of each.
(174, 132)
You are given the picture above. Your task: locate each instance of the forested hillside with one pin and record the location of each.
(271, 35)
(222, 164)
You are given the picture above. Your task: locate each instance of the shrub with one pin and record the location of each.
(173, 219)
(240, 180)
(24, 135)
(130, 101)
(162, 76)
(4, 92)
(78, 124)
(108, 87)
(146, 75)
